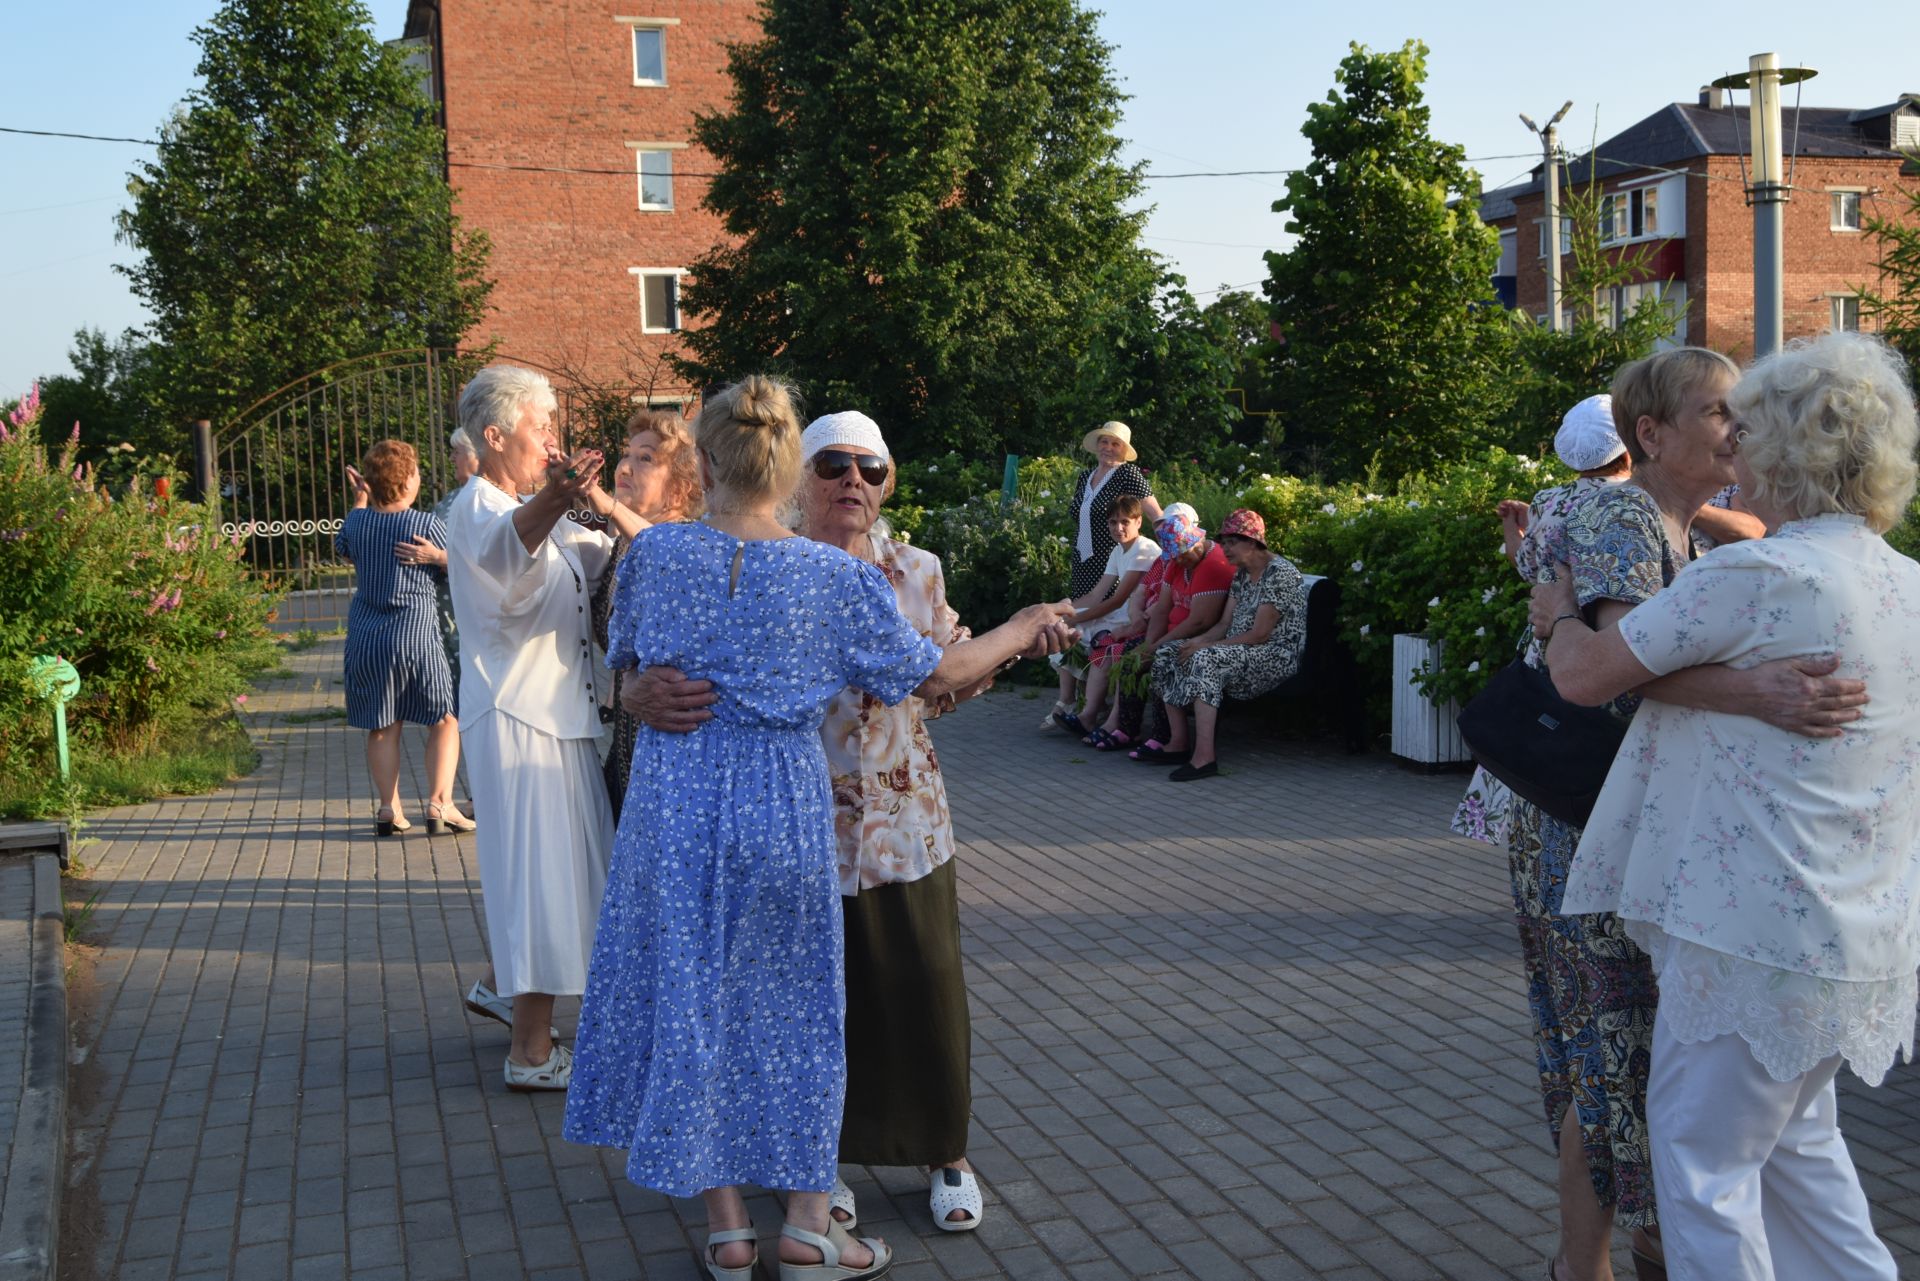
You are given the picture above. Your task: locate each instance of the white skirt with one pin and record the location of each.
(545, 833)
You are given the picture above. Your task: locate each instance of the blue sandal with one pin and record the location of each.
(1068, 721)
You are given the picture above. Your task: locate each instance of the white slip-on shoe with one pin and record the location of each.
(555, 1074)
(489, 1004)
(841, 1199)
(955, 1190)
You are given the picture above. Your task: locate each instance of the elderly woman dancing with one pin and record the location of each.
(712, 1038)
(521, 575)
(1770, 875)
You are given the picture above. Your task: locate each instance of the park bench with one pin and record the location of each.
(1327, 679)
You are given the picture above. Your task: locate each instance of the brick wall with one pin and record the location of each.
(550, 83)
(1819, 262)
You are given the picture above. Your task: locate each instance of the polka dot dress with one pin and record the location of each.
(712, 1033)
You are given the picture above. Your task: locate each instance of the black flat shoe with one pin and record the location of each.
(1189, 772)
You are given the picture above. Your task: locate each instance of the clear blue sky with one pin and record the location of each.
(1215, 84)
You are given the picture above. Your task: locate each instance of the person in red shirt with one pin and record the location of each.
(1193, 595)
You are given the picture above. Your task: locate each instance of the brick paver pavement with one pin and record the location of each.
(1270, 1025)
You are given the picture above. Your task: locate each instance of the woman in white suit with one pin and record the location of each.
(522, 575)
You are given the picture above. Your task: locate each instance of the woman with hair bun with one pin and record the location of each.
(712, 1041)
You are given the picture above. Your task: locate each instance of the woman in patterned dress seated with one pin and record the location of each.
(1253, 648)
(1770, 875)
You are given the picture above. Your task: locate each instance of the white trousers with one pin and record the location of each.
(1753, 1178)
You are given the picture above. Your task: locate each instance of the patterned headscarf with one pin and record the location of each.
(1246, 524)
(1178, 532)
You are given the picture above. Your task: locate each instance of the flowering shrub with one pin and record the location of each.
(155, 612)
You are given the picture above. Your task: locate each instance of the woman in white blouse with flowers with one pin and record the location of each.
(1774, 879)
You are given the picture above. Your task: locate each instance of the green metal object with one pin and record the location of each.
(1010, 482)
(56, 681)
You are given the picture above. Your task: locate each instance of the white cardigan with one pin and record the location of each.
(526, 622)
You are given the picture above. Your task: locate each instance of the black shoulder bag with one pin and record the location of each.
(1551, 752)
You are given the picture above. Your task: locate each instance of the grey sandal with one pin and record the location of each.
(829, 1246)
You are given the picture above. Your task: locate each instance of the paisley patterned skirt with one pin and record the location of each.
(1592, 994)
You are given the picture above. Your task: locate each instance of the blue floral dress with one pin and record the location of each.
(711, 1042)
(1590, 988)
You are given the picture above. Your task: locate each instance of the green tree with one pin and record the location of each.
(1393, 339)
(1551, 371)
(928, 219)
(110, 393)
(1895, 304)
(1242, 323)
(298, 212)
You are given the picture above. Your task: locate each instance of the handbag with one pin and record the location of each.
(1550, 752)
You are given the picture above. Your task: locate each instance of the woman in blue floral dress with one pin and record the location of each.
(711, 1036)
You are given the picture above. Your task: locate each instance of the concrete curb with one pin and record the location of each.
(36, 1182)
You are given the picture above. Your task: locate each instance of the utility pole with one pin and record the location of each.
(1767, 192)
(1550, 144)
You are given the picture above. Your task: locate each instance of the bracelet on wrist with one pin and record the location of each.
(1561, 619)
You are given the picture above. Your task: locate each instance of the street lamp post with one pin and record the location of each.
(1550, 145)
(1767, 191)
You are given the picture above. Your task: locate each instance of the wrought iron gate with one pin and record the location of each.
(280, 466)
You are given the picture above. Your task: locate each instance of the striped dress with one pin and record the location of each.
(396, 666)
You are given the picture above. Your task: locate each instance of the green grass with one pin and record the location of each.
(192, 760)
(304, 639)
(78, 917)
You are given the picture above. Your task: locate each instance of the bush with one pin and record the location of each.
(155, 611)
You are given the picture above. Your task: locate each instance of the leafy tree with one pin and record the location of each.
(1243, 324)
(1393, 338)
(927, 216)
(297, 213)
(1895, 305)
(1553, 371)
(110, 393)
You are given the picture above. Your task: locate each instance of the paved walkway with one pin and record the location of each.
(1289, 1041)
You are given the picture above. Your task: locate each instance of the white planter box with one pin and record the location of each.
(1422, 732)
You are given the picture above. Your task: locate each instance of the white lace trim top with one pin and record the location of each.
(1791, 1021)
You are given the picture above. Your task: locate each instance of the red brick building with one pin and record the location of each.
(1673, 182)
(569, 126)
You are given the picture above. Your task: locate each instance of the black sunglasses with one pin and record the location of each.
(832, 464)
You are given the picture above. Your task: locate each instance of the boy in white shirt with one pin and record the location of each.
(1104, 609)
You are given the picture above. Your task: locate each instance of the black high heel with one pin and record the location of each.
(387, 823)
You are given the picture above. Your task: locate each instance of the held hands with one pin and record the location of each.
(663, 698)
(1514, 515)
(358, 487)
(1050, 627)
(420, 551)
(576, 475)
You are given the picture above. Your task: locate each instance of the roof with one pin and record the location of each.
(1683, 131)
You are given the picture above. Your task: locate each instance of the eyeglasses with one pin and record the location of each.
(832, 464)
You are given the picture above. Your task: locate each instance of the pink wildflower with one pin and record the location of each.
(222, 635)
(241, 699)
(158, 603)
(75, 437)
(151, 665)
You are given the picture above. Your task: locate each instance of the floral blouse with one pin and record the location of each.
(890, 814)
(1779, 873)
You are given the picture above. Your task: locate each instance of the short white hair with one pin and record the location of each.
(461, 443)
(1831, 428)
(496, 396)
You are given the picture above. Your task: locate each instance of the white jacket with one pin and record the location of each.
(526, 622)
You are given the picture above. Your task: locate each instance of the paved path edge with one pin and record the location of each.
(36, 1172)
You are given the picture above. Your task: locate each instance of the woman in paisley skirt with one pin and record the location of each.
(1590, 987)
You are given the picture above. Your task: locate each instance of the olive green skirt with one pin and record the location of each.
(909, 1038)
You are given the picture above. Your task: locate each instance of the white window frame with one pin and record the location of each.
(1566, 236)
(641, 150)
(1834, 206)
(1616, 208)
(636, 26)
(640, 276)
(1836, 312)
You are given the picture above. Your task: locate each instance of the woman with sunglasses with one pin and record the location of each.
(908, 1033)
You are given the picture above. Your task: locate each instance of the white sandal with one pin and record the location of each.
(841, 1198)
(952, 1190)
(829, 1246)
(555, 1074)
(726, 1236)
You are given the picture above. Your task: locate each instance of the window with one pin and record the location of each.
(1630, 215)
(1566, 236)
(656, 179)
(659, 299)
(1846, 312)
(1845, 210)
(649, 48)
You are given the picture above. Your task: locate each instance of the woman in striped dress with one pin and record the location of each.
(396, 667)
